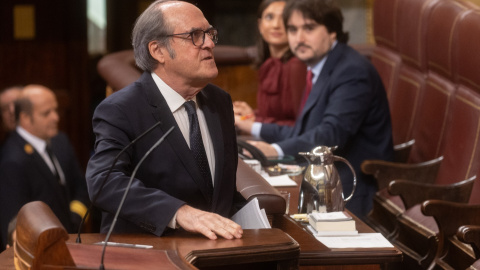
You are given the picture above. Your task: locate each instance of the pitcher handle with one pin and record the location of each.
(337, 158)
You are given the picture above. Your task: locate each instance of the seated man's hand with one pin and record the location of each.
(208, 224)
(241, 108)
(244, 125)
(267, 149)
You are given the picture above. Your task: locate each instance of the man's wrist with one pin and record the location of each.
(173, 222)
(256, 129)
(278, 149)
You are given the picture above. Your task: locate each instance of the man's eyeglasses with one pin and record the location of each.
(198, 36)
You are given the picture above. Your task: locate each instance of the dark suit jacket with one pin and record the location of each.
(25, 177)
(347, 107)
(169, 176)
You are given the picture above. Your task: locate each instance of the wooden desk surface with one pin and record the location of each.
(256, 246)
(6, 260)
(313, 252)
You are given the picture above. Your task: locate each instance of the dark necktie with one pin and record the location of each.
(308, 89)
(197, 147)
(48, 148)
(63, 188)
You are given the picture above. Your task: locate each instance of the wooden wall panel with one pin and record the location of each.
(56, 57)
(240, 81)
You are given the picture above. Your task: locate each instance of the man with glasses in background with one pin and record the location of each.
(188, 181)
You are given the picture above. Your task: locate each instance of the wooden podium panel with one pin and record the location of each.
(287, 246)
(257, 249)
(43, 243)
(123, 258)
(6, 260)
(88, 257)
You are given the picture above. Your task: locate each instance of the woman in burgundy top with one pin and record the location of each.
(281, 75)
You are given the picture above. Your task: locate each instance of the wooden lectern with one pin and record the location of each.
(40, 238)
(42, 243)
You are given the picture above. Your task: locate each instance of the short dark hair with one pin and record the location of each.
(150, 26)
(324, 12)
(23, 104)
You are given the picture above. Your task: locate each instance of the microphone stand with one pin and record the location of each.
(79, 240)
(102, 267)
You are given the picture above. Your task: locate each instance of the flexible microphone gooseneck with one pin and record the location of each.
(79, 240)
(102, 267)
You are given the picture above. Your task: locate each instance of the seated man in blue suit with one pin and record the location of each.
(38, 163)
(346, 107)
(187, 181)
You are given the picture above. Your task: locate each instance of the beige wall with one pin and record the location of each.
(357, 15)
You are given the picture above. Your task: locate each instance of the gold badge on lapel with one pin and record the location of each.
(28, 149)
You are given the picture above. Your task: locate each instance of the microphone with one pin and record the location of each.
(79, 240)
(102, 267)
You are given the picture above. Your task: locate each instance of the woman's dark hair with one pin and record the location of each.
(324, 12)
(263, 53)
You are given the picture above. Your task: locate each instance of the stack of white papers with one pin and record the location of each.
(330, 216)
(362, 240)
(280, 181)
(331, 233)
(332, 223)
(251, 216)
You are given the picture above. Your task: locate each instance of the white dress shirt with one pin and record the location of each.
(175, 102)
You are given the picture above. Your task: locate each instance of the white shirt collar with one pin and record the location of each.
(174, 100)
(36, 142)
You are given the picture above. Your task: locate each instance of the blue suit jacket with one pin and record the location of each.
(347, 107)
(25, 177)
(169, 177)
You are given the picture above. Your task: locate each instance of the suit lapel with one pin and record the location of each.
(59, 189)
(42, 166)
(58, 148)
(319, 87)
(161, 112)
(35, 157)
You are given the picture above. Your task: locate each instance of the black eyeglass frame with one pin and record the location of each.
(213, 37)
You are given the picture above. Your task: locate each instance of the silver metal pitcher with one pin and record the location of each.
(321, 188)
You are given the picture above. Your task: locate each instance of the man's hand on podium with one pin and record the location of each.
(208, 224)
